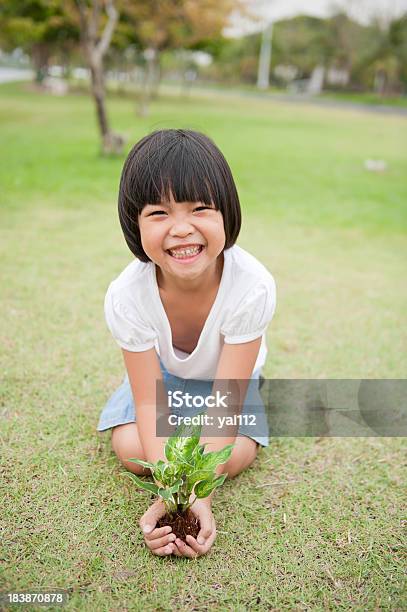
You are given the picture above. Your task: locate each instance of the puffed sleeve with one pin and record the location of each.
(252, 315)
(127, 328)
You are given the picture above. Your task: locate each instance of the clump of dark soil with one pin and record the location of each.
(182, 524)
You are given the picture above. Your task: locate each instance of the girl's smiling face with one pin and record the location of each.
(167, 229)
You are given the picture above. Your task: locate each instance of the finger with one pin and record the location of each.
(163, 551)
(199, 549)
(202, 548)
(206, 522)
(205, 532)
(192, 543)
(153, 514)
(158, 533)
(204, 535)
(182, 550)
(186, 550)
(176, 551)
(154, 544)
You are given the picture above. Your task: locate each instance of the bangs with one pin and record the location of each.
(177, 167)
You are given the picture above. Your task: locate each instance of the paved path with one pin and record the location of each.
(294, 99)
(15, 74)
(343, 104)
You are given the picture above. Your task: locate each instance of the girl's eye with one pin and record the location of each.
(162, 212)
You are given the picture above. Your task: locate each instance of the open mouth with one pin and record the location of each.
(186, 255)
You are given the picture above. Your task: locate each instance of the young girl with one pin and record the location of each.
(190, 310)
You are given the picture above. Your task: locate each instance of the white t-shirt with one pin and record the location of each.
(243, 308)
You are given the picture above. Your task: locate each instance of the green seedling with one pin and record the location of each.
(188, 470)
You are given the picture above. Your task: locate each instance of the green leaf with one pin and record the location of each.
(197, 476)
(205, 487)
(172, 448)
(210, 461)
(181, 444)
(166, 495)
(175, 487)
(147, 486)
(145, 464)
(198, 452)
(189, 447)
(177, 455)
(158, 472)
(165, 475)
(161, 465)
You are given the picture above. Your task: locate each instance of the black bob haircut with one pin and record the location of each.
(184, 163)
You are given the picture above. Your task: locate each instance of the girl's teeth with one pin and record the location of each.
(185, 252)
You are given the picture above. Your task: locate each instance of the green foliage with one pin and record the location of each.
(46, 29)
(188, 469)
(183, 24)
(303, 42)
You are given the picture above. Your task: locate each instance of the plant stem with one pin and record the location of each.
(190, 504)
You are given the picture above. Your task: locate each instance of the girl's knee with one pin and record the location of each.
(243, 455)
(126, 445)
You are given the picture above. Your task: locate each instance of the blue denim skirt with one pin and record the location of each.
(120, 408)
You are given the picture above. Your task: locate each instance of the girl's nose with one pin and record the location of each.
(181, 228)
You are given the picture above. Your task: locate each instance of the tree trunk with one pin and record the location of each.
(94, 51)
(150, 75)
(380, 82)
(156, 80)
(98, 92)
(263, 74)
(40, 57)
(111, 142)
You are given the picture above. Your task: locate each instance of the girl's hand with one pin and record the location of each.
(202, 508)
(159, 541)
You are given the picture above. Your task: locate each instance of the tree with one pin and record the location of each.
(95, 42)
(389, 59)
(173, 24)
(41, 28)
(398, 44)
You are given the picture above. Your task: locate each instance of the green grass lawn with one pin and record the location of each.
(365, 98)
(368, 98)
(315, 523)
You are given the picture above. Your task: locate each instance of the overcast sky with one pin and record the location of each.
(273, 10)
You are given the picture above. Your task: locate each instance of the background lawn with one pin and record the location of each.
(315, 522)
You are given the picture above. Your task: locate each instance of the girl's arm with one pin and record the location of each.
(233, 374)
(144, 370)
